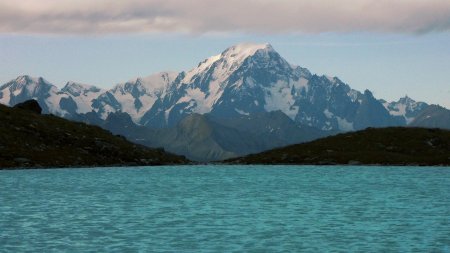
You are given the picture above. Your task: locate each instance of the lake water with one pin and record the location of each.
(226, 209)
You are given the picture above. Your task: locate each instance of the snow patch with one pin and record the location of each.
(344, 125)
(5, 97)
(279, 97)
(328, 114)
(203, 105)
(353, 94)
(242, 112)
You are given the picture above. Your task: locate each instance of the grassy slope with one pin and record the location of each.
(387, 146)
(28, 139)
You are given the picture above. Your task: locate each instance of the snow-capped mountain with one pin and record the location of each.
(243, 80)
(405, 107)
(235, 82)
(253, 78)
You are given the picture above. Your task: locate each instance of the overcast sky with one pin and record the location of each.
(393, 47)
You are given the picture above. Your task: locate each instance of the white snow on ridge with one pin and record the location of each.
(157, 83)
(150, 88)
(400, 110)
(353, 94)
(202, 104)
(77, 89)
(22, 80)
(227, 62)
(402, 107)
(52, 102)
(240, 52)
(203, 66)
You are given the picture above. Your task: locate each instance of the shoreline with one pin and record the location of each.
(223, 164)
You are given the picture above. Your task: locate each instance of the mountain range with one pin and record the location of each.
(245, 100)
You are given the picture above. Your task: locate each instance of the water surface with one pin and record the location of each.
(226, 208)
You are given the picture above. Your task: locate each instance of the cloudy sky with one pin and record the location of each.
(392, 47)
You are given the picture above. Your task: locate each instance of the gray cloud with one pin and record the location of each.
(208, 16)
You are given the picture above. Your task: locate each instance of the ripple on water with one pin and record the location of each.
(226, 208)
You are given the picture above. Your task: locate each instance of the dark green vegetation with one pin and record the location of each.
(28, 139)
(384, 146)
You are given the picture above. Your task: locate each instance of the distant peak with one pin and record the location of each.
(26, 81)
(76, 89)
(406, 99)
(76, 85)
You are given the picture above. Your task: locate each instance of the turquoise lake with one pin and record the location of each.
(226, 209)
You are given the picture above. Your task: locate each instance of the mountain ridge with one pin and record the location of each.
(245, 78)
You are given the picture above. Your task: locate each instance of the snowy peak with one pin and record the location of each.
(17, 90)
(78, 89)
(235, 56)
(407, 101)
(240, 52)
(228, 61)
(405, 107)
(25, 81)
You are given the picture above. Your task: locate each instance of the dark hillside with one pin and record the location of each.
(385, 146)
(29, 139)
